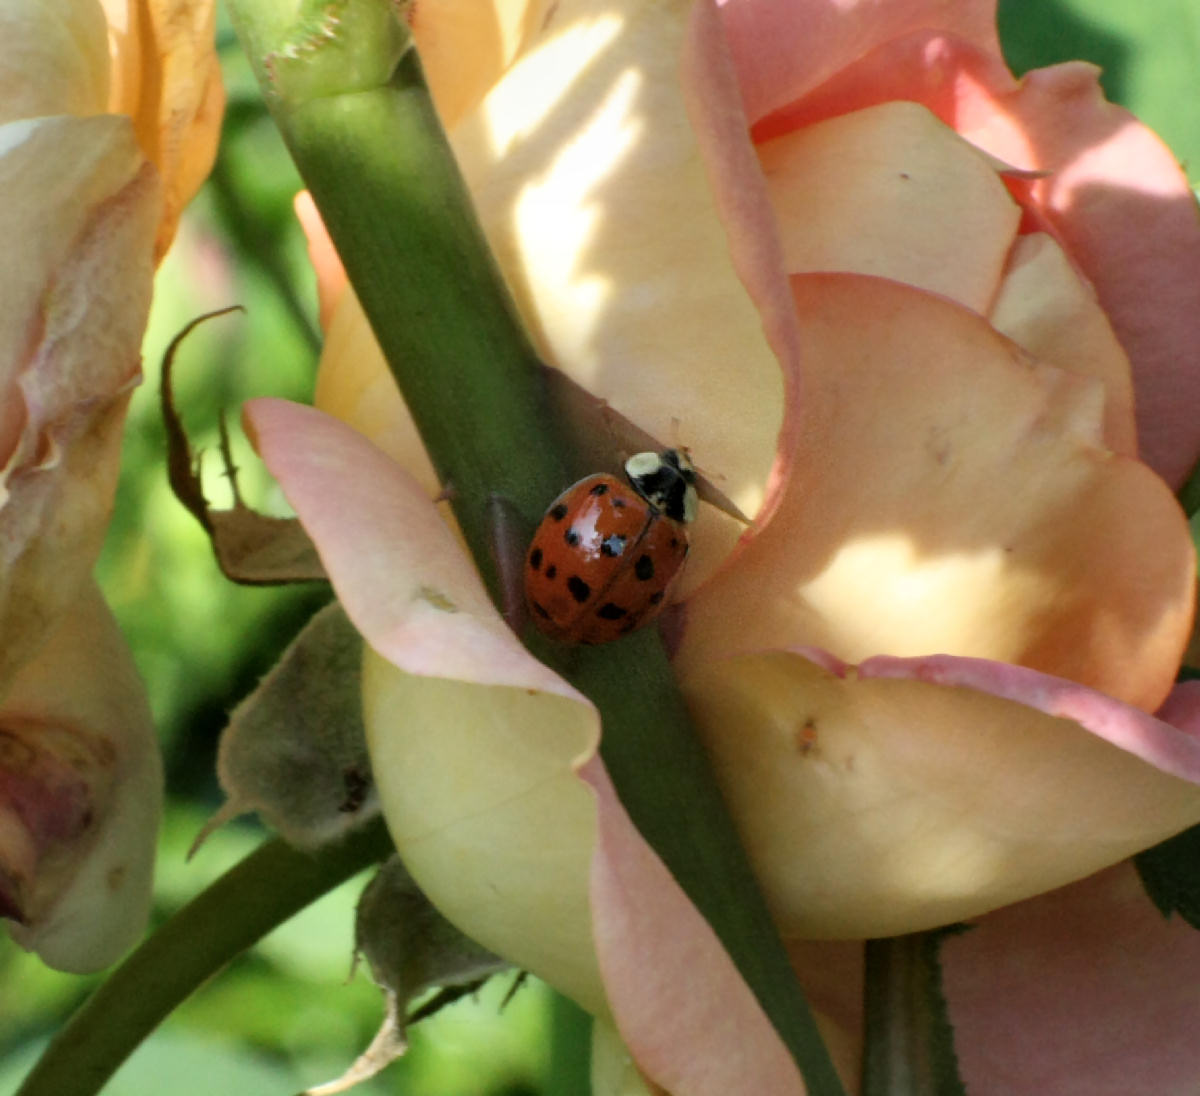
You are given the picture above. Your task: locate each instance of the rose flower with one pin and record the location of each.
(933, 328)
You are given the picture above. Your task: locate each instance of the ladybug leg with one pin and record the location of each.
(509, 536)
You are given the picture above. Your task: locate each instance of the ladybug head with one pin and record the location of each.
(667, 481)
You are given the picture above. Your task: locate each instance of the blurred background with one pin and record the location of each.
(289, 1014)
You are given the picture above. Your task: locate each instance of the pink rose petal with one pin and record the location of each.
(1173, 747)
(1086, 991)
(783, 49)
(399, 572)
(1117, 198)
(684, 1011)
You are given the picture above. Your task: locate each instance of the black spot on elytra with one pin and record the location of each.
(611, 611)
(551, 571)
(644, 568)
(612, 545)
(599, 489)
(579, 589)
(557, 513)
(535, 559)
(571, 536)
(656, 598)
(618, 503)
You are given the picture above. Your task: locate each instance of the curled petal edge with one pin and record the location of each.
(906, 793)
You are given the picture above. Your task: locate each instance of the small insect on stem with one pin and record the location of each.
(606, 554)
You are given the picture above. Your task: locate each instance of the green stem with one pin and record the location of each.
(909, 1047)
(568, 1071)
(267, 888)
(348, 94)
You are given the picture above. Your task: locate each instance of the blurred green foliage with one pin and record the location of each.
(290, 1014)
(1149, 55)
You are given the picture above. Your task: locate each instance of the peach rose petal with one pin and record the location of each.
(1112, 192)
(906, 794)
(355, 385)
(891, 191)
(465, 46)
(55, 59)
(166, 77)
(590, 180)
(952, 495)
(80, 208)
(784, 49)
(1086, 991)
(473, 742)
(1045, 307)
(1123, 208)
(326, 263)
(683, 1010)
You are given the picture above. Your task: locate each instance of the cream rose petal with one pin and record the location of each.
(591, 185)
(56, 61)
(1045, 307)
(90, 807)
(1122, 206)
(891, 191)
(81, 206)
(904, 794)
(466, 45)
(614, 1072)
(951, 495)
(355, 385)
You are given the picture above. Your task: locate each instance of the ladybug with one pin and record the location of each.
(605, 555)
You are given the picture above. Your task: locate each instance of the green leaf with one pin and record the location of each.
(1149, 55)
(1170, 872)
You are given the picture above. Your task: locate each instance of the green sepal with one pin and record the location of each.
(334, 47)
(1170, 873)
